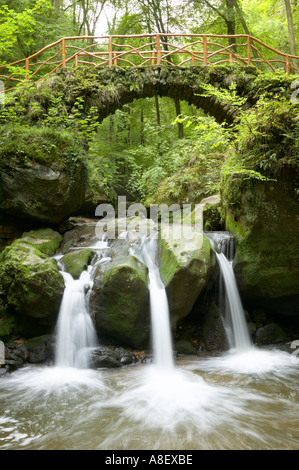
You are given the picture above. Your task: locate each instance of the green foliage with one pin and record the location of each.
(39, 144)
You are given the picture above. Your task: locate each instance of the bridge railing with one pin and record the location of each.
(148, 50)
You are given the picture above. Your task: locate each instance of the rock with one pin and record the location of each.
(46, 240)
(119, 300)
(263, 216)
(186, 266)
(184, 346)
(40, 349)
(104, 357)
(42, 186)
(30, 283)
(212, 330)
(77, 261)
(7, 324)
(270, 334)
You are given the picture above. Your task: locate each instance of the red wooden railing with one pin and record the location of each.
(148, 49)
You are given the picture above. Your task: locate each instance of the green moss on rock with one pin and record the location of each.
(120, 301)
(46, 240)
(30, 282)
(77, 261)
(186, 266)
(264, 218)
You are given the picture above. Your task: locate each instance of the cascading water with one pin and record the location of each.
(222, 245)
(76, 335)
(161, 331)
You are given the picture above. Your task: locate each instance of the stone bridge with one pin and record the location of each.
(108, 89)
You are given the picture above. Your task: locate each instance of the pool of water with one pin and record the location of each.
(232, 401)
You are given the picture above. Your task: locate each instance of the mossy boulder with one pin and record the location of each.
(77, 261)
(264, 218)
(186, 265)
(42, 174)
(120, 301)
(270, 334)
(30, 283)
(46, 240)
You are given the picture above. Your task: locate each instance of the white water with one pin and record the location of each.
(239, 338)
(161, 330)
(241, 334)
(76, 335)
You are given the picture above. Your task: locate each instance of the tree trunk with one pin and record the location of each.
(158, 122)
(292, 41)
(231, 21)
(178, 113)
(141, 127)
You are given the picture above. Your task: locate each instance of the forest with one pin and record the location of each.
(156, 148)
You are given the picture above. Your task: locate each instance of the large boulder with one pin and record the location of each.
(120, 299)
(42, 175)
(31, 285)
(263, 216)
(186, 265)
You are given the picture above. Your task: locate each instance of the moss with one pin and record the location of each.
(121, 302)
(264, 220)
(77, 261)
(46, 240)
(30, 283)
(7, 326)
(38, 144)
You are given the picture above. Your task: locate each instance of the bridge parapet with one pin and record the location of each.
(148, 50)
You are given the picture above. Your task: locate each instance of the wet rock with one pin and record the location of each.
(46, 240)
(186, 266)
(184, 346)
(40, 349)
(75, 262)
(105, 357)
(120, 300)
(41, 186)
(270, 334)
(263, 216)
(30, 282)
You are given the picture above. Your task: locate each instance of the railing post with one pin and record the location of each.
(115, 60)
(63, 53)
(76, 60)
(192, 59)
(153, 58)
(110, 51)
(231, 58)
(248, 50)
(205, 50)
(158, 43)
(287, 65)
(27, 69)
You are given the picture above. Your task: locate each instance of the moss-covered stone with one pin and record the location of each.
(185, 269)
(120, 301)
(38, 183)
(7, 324)
(30, 282)
(264, 218)
(46, 240)
(77, 261)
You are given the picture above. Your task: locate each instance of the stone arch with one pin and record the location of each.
(112, 88)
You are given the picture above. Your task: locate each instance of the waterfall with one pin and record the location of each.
(76, 335)
(160, 322)
(239, 336)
